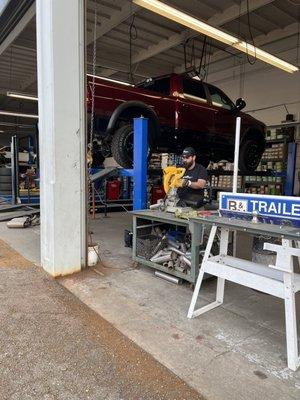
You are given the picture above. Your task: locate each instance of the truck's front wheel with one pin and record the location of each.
(122, 146)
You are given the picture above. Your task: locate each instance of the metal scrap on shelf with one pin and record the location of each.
(173, 254)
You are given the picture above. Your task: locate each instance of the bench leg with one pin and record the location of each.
(191, 312)
(220, 290)
(223, 251)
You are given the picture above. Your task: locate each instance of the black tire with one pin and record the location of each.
(250, 155)
(122, 146)
(5, 171)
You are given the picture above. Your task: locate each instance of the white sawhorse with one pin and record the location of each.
(278, 280)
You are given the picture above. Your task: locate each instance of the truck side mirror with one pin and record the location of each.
(240, 103)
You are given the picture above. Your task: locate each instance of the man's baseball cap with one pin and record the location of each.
(188, 151)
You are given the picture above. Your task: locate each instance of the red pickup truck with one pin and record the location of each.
(182, 112)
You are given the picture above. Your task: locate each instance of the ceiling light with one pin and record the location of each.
(1, 131)
(16, 114)
(111, 80)
(193, 23)
(22, 96)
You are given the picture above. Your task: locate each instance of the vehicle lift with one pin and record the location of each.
(139, 171)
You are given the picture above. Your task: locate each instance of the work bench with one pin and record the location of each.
(279, 280)
(150, 218)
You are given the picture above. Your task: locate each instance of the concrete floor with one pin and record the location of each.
(237, 351)
(54, 347)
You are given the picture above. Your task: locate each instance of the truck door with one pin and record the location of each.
(195, 115)
(224, 116)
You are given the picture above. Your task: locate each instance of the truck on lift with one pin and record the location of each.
(182, 111)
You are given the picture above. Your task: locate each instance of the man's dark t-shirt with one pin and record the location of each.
(198, 172)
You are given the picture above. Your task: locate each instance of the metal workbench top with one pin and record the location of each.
(287, 232)
(162, 216)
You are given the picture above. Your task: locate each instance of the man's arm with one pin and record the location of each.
(200, 184)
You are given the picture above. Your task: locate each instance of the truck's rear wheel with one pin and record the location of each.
(122, 146)
(250, 155)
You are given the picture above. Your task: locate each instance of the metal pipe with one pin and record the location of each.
(186, 260)
(236, 154)
(167, 277)
(157, 247)
(175, 250)
(183, 247)
(158, 254)
(161, 259)
(173, 243)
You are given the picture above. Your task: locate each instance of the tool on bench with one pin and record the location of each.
(172, 180)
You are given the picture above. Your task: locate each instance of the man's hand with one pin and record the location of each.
(185, 183)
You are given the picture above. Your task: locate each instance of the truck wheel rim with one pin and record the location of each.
(128, 144)
(253, 156)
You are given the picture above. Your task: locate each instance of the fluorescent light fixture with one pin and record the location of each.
(1, 131)
(16, 114)
(193, 23)
(24, 96)
(111, 80)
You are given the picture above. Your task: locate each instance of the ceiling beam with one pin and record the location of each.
(3, 4)
(223, 71)
(18, 28)
(115, 19)
(261, 40)
(234, 72)
(230, 14)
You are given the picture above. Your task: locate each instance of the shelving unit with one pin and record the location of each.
(275, 174)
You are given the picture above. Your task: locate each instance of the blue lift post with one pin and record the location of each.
(140, 156)
(290, 172)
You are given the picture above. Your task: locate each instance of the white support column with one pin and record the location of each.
(61, 91)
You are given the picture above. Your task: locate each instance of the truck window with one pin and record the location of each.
(194, 90)
(157, 85)
(219, 99)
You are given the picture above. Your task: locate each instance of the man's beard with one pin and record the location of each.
(187, 164)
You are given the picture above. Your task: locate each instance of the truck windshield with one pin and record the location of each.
(157, 85)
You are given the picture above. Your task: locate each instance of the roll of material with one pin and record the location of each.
(167, 277)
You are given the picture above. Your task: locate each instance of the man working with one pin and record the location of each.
(194, 180)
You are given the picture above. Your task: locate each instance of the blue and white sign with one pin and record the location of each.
(270, 209)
